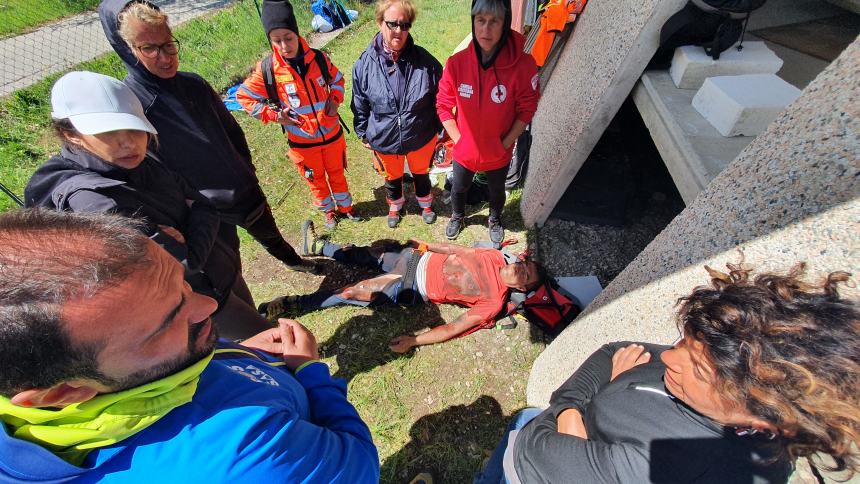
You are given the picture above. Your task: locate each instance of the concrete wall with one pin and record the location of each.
(604, 56)
(792, 195)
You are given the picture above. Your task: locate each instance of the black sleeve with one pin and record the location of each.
(542, 453)
(92, 201)
(231, 126)
(595, 372)
(201, 228)
(359, 105)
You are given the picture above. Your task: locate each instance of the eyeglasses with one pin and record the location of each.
(151, 51)
(403, 26)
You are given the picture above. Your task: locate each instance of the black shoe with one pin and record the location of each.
(393, 219)
(311, 244)
(497, 232)
(455, 225)
(278, 306)
(305, 265)
(428, 215)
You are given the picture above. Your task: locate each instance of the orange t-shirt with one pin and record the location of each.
(483, 265)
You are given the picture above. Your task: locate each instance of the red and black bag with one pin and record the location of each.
(546, 307)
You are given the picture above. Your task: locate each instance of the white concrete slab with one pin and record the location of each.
(694, 152)
(691, 65)
(743, 105)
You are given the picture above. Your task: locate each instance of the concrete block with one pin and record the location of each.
(743, 105)
(691, 65)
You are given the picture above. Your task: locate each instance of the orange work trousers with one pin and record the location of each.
(323, 167)
(391, 166)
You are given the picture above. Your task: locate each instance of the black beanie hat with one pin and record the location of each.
(278, 14)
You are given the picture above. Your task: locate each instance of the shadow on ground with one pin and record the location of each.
(472, 429)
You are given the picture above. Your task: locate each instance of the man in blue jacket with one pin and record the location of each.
(111, 370)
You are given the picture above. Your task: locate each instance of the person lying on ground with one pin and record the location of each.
(766, 371)
(111, 370)
(200, 139)
(105, 165)
(420, 271)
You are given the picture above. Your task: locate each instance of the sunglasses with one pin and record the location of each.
(403, 26)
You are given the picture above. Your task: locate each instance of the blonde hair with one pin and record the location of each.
(407, 6)
(143, 12)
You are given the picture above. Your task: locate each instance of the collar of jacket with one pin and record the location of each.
(307, 57)
(378, 50)
(93, 163)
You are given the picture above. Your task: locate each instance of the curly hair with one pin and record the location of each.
(788, 351)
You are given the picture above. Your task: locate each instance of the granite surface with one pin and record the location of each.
(792, 195)
(601, 61)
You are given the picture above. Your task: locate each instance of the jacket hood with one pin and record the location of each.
(506, 32)
(507, 55)
(108, 12)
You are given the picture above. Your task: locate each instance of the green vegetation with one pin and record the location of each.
(25, 139)
(443, 407)
(17, 16)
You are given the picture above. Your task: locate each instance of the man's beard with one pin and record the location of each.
(195, 354)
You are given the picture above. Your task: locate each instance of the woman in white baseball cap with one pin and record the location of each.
(104, 166)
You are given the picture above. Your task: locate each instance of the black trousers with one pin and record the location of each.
(265, 231)
(461, 182)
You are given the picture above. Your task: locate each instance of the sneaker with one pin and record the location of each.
(352, 216)
(311, 244)
(429, 216)
(305, 265)
(497, 232)
(330, 220)
(455, 225)
(278, 306)
(393, 219)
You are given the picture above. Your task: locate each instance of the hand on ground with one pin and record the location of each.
(628, 357)
(290, 339)
(402, 343)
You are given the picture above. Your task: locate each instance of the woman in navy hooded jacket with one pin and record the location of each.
(198, 137)
(394, 84)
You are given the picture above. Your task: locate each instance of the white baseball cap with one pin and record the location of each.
(95, 103)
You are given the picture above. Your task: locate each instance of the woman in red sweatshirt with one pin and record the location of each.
(487, 95)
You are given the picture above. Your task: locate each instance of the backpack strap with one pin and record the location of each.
(268, 68)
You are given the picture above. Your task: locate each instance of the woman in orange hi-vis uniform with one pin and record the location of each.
(308, 99)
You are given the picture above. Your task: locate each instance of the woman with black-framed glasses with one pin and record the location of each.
(394, 85)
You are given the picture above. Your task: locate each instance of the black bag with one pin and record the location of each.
(519, 166)
(715, 25)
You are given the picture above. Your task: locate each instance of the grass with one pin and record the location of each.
(26, 141)
(17, 16)
(443, 407)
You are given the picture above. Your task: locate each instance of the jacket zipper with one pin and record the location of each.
(393, 95)
(314, 100)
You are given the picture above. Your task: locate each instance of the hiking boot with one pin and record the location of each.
(305, 265)
(455, 225)
(352, 216)
(278, 306)
(428, 215)
(497, 232)
(393, 219)
(311, 243)
(330, 220)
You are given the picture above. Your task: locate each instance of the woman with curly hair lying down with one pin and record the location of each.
(766, 371)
